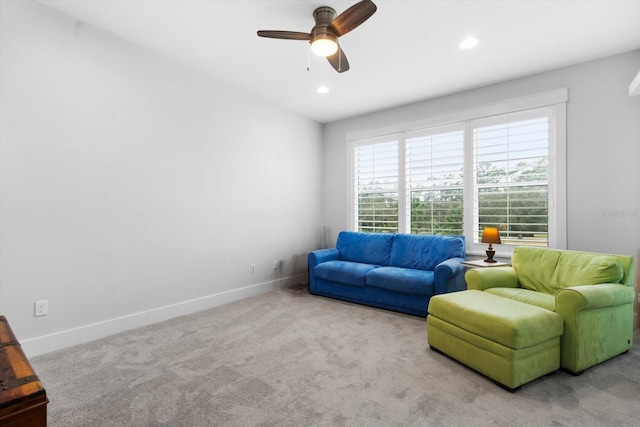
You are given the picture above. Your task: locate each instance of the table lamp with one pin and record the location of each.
(490, 235)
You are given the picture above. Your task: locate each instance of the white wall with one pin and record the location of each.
(134, 189)
(603, 149)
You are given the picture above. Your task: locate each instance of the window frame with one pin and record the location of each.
(554, 100)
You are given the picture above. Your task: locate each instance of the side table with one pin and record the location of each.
(480, 263)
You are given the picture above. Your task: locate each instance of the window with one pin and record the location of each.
(434, 179)
(376, 186)
(511, 179)
(499, 165)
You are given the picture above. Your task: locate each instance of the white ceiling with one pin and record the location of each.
(407, 51)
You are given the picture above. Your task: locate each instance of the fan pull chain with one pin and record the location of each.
(309, 58)
(339, 57)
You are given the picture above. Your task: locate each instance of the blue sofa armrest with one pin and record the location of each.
(449, 276)
(322, 255)
(318, 257)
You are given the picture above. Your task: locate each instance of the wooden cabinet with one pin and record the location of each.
(23, 400)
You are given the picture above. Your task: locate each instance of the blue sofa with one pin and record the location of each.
(399, 272)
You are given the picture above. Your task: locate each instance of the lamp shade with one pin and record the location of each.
(490, 235)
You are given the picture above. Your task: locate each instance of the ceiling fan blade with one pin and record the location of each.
(339, 61)
(352, 17)
(287, 35)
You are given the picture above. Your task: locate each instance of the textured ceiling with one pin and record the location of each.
(407, 51)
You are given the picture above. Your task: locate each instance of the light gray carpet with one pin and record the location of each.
(288, 358)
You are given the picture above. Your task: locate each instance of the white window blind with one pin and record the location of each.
(511, 176)
(376, 187)
(500, 165)
(434, 176)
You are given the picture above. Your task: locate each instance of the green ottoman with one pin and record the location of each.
(508, 341)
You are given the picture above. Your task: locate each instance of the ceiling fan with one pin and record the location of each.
(324, 35)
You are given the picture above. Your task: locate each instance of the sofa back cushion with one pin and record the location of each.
(424, 251)
(367, 248)
(549, 270)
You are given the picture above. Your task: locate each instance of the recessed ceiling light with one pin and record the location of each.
(469, 43)
(322, 89)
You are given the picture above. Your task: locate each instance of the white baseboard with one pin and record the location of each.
(63, 339)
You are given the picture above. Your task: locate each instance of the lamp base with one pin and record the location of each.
(490, 255)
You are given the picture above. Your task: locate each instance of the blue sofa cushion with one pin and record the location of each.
(367, 248)
(350, 273)
(424, 251)
(404, 280)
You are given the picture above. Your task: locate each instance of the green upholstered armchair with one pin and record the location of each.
(592, 292)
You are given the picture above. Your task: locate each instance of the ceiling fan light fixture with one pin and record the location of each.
(323, 42)
(324, 47)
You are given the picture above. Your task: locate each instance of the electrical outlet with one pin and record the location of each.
(276, 264)
(41, 308)
(252, 269)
